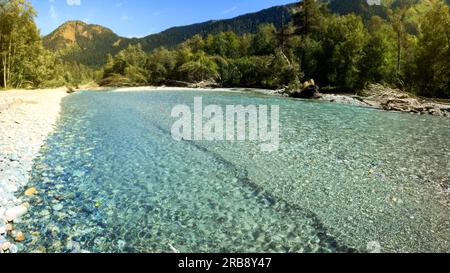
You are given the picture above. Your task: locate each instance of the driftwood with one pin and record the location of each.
(202, 84)
(396, 100)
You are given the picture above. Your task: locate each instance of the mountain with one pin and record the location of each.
(90, 44)
(360, 7)
(86, 44)
(247, 23)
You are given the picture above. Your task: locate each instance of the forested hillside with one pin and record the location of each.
(76, 41)
(90, 44)
(79, 42)
(408, 47)
(248, 23)
(404, 44)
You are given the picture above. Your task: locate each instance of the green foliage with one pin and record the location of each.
(344, 43)
(23, 60)
(432, 60)
(345, 51)
(161, 64)
(129, 67)
(224, 44)
(247, 23)
(230, 60)
(251, 71)
(360, 7)
(265, 41)
(201, 68)
(405, 43)
(310, 17)
(379, 54)
(91, 44)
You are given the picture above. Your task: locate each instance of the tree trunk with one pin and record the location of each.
(399, 53)
(7, 65)
(5, 82)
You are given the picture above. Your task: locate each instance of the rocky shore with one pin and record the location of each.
(389, 99)
(375, 96)
(26, 119)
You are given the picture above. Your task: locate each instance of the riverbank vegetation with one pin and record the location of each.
(407, 45)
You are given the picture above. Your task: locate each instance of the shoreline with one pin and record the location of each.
(27, 118)
(167, 88)
(380, 98)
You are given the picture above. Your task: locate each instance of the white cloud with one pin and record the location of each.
(73, 2)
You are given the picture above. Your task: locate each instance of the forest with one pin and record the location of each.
(407, 46)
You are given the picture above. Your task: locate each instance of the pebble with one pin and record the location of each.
(30, 123)
(30, 191)
(13, 157)
(58, 207)
(6, 246)
(15, 212)
(20, 237)
(45, 213)
(13, 249)
(3, 230)
(121, 244)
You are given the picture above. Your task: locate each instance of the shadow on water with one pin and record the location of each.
(326, 240)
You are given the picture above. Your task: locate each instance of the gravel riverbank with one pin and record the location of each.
(26, 119)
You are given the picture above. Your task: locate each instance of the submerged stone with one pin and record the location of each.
(30, 191)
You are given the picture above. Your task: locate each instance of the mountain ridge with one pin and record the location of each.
(90, 44)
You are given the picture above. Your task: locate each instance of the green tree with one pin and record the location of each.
(128, 67)
(252, 71)
(345, 38)
(433, 52)
(398, 16)
(245, 45)
(161, 65)
(309, 23)
(196, 43)
(23, 60)
(201, 68)
(224, 44)
(378, 64)
(310, 17)
(265, 41)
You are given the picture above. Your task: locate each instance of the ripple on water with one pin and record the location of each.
(111, 179)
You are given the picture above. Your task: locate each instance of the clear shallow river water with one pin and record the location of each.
(112, 179)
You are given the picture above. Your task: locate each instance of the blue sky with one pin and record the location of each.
(137, 18)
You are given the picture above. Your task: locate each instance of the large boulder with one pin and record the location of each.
(309, 91)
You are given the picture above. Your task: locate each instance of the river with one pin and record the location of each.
(112, 179)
